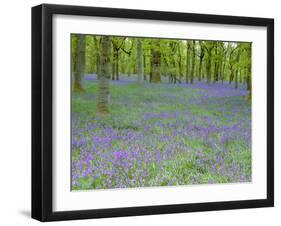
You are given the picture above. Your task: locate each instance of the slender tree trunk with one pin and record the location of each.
(216, 70)
(200, 68)
(103, 91)
(203, 69)
(192, 63)
(237, 68)
(150, 71)
(73, 56)
(220, 68)
(144, 67)
(245, 77)
(129, 66)
(222, 72)
(97, 55)
(217, 66)
(139, 52)
(187, 62)
(113, 64)
(201, 57)
(113, 71)
(208, 69)
(232, 74)
(79, 69)
(236, 79)
(156, 63)
(117, 65)
(249, 80)
(180, 68)
(173, 72)
(240, 75)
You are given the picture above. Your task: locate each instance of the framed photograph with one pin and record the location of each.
(145, 112)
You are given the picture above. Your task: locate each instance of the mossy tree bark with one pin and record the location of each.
(79, 67)
(104, 77)
(155, 62)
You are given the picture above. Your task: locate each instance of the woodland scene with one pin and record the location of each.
(159, 112)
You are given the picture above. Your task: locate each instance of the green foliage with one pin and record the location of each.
(209, 60)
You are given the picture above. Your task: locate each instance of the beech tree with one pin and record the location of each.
(155, 61)
(103, 91)
(79, 65)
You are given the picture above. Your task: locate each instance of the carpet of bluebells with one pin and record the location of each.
(161, 134)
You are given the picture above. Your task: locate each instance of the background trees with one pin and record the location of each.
(78, 61)
(163, 60)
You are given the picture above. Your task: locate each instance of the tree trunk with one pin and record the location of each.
(103, 91)
(245, 72)
(187, 62)
(201, 56)
(203, 71)
(144, 67)
(208, 69)
(200, 68)
(150, 71)
(173, 72)
(180, 68)
(113, 64)
(129, 66)
(97, 55)
(222, 71)
(231, 76)
(139, 52)
(240, 75)
(236, 79)
(249, 81)
(216, 70)
(79, 69)
(156, 63)
(192, 62)
(117, 65)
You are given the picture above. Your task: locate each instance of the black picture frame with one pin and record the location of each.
(42, 107)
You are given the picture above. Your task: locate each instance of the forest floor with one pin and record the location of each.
(161, 134)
